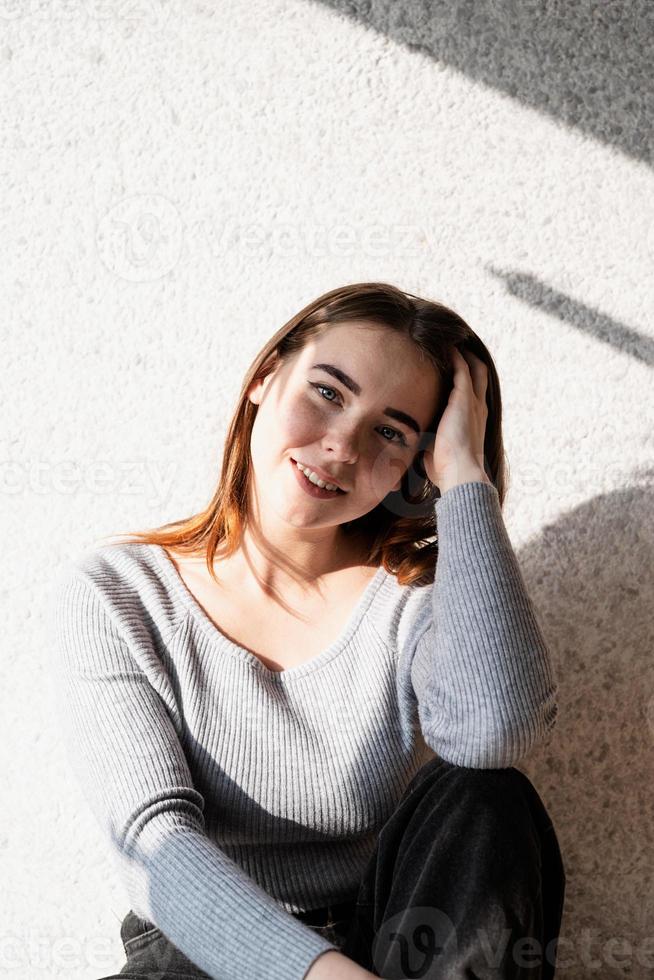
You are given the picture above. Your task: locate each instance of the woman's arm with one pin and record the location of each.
(126, 753)
(481, 670)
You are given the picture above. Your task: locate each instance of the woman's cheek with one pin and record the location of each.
(389, 466)
(303, 423)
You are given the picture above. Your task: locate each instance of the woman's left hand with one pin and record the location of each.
(457, 455)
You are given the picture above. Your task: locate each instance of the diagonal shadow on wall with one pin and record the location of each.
(586, 319)
(587, 63)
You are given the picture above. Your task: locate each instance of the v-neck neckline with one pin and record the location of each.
(215, 635)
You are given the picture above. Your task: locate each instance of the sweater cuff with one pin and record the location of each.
(474, 498)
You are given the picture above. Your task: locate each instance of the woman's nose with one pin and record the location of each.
(343, 445)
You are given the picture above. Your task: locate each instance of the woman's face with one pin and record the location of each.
(307, 414)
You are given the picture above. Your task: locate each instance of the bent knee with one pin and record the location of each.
(496, 790)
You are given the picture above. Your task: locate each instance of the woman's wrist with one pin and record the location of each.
(333, 965)
(462, 473)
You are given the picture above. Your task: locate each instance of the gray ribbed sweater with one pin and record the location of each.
(231, 794)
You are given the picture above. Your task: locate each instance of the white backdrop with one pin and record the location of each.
(178, 180)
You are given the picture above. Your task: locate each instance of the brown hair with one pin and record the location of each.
(400, 532)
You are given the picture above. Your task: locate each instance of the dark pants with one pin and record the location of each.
(466, 883)
(151, 955)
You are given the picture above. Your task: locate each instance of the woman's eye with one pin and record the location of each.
(320, 387)
(401, 438)
(325, 388)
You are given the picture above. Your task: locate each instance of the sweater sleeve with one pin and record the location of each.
(481, 670)
(124, 749)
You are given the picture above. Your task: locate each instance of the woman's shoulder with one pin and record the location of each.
(119, 586)
(126, 576)
(107, 564)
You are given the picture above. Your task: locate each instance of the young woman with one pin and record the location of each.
(296, 714)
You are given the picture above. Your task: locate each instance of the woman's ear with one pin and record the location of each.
(255, 391)
(257, 388)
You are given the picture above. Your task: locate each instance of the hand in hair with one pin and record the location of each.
(457, 452)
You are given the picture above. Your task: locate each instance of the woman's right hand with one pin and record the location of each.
(333, 965)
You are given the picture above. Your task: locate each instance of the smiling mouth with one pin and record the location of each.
(315, 485)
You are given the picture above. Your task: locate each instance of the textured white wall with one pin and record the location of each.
(178, 180)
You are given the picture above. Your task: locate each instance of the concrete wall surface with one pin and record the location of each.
(178, 180)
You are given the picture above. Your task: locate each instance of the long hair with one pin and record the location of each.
(400, 533)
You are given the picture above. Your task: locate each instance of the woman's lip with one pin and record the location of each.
(311, 488)
(326, 479)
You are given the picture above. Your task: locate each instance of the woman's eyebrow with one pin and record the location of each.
(345, 379)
